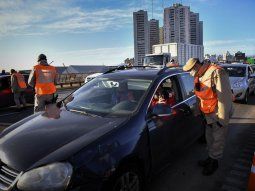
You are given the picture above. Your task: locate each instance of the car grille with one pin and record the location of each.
(8, 177)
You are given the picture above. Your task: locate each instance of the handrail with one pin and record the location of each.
(71, 78)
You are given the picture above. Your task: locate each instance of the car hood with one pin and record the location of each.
(41, 140)
(233, 80)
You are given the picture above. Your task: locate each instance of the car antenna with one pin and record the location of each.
(65, 68)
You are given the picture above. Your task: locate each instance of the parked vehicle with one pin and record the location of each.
(156, 60)
(6, 95)
(104, 136)
(253, 67)
(242, 80)
(91, 77)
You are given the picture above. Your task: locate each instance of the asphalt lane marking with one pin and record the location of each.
(8, 114)
(235, 182)
(230, 188)
(240, 167)
(239, 173)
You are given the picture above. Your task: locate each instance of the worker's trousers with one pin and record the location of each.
(215, 137)
(41, 101)
(19, 97)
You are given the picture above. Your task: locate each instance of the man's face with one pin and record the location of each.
(194, 70)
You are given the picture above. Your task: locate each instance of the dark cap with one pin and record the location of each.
(41, 57)
(13, 71)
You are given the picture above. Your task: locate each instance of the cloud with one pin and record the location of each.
(221, 46)
(93, 21)
(228, 42)
(97, 56)
(106, 56)
(54, 16)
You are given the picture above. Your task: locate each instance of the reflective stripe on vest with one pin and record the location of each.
(21, 80)
(45, 76)
(208, 96)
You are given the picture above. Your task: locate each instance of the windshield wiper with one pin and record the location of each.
(84, 113)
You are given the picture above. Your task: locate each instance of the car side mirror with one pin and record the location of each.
(161, 110)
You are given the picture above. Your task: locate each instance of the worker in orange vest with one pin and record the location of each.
(43, 79)
(212, 87)
(18, 86)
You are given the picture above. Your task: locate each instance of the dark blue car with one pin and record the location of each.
(110, 134)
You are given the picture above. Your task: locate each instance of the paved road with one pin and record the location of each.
(184, 174)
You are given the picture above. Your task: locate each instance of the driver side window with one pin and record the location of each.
(167, 93)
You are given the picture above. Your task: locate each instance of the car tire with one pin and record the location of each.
(246, 97)
(128, 178)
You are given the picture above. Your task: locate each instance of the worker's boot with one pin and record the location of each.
(204, 162)
(210, 167)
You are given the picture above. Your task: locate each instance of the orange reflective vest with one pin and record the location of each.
(44, 79)
(207, 92)
(21, 80)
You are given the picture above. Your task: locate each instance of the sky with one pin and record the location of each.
(96, 32)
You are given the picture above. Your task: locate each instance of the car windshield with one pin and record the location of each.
(155, 60)
(108, 96)
(234, 71)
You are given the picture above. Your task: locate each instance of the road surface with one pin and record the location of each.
(184, 174)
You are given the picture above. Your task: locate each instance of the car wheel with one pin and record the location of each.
(128, 179)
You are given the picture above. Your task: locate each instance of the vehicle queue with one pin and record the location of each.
(115, 130)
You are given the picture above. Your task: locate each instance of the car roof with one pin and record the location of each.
(3, 76)
(234, 65)
(143, 73)
(8, 75)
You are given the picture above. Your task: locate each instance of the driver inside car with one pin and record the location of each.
(164, 95)
(122, 93)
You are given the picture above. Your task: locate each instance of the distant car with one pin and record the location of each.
(106, 135)
(242, 80)
(253, 67)
(91, 77)
(6, 95)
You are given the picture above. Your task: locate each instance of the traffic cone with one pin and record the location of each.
(251, 183)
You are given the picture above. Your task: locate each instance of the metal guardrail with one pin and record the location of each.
(65, 79)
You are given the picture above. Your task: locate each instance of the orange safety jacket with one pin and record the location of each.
(44, 79)
(207, 92)
(21, 80)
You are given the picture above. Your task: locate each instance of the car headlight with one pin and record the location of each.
(237, 84)
(55, 177)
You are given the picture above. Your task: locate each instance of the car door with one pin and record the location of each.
(6, 95)
(194, 121)
(251, 80)
(166, 132)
